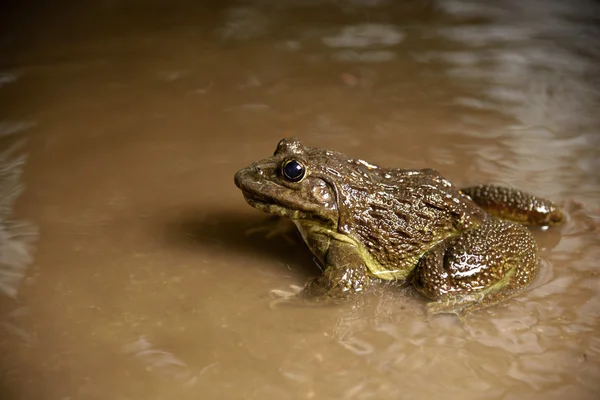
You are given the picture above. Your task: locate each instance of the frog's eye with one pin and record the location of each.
(293, 170)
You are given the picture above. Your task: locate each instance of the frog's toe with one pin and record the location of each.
(279, 296)
(436, 307)
(458, 305)
(285, 294)
(274, 227)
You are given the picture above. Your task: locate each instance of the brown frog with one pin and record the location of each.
(461, 248)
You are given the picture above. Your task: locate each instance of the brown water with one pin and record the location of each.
(145, 284)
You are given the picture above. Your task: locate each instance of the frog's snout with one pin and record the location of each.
(238, 178)
(249, 174)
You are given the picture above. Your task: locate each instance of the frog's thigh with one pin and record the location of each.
(479, 268)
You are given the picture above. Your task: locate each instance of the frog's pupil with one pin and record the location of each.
(293, 170)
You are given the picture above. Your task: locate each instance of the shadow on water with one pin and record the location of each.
(232, 231)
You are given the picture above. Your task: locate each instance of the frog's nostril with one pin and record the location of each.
(258, 170)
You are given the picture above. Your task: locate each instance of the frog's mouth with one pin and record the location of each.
(273, 198)
(265, 204)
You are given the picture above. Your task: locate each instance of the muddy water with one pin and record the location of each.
(150, 276)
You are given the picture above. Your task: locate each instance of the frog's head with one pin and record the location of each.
(297, 182)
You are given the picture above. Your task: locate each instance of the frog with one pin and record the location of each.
(461, 249)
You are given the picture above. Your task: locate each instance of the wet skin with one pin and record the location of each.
(461, 248)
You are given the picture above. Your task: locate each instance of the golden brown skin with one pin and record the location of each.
(364, 222)
(515, 205)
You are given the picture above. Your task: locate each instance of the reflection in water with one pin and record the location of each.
(16, 237)
(147, 285)
(165, 363)
(244, 23)
(7, 77)
(364, 36)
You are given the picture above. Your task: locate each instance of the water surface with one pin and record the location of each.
(145, 283)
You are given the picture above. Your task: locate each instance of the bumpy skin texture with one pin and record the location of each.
(515, 205)
(364, 222)
(490, 262)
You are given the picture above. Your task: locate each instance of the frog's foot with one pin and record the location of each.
(458, 305)
(274, 227)
(284, 296)
(336, 283)
(515, 205)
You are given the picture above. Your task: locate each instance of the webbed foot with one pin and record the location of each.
(344, 276)
(515, 205)
(459, 305)
(274, 227)
(279, 296)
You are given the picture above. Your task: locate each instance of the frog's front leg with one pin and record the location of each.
(344, 274)
(479, 268)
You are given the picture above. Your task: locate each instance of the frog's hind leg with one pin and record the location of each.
(515, 205)
(482, 267)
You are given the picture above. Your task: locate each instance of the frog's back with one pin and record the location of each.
(399, 214)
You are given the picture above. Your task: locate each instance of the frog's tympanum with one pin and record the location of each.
(461, 248)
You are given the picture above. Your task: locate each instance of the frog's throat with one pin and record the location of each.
(398, 272)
